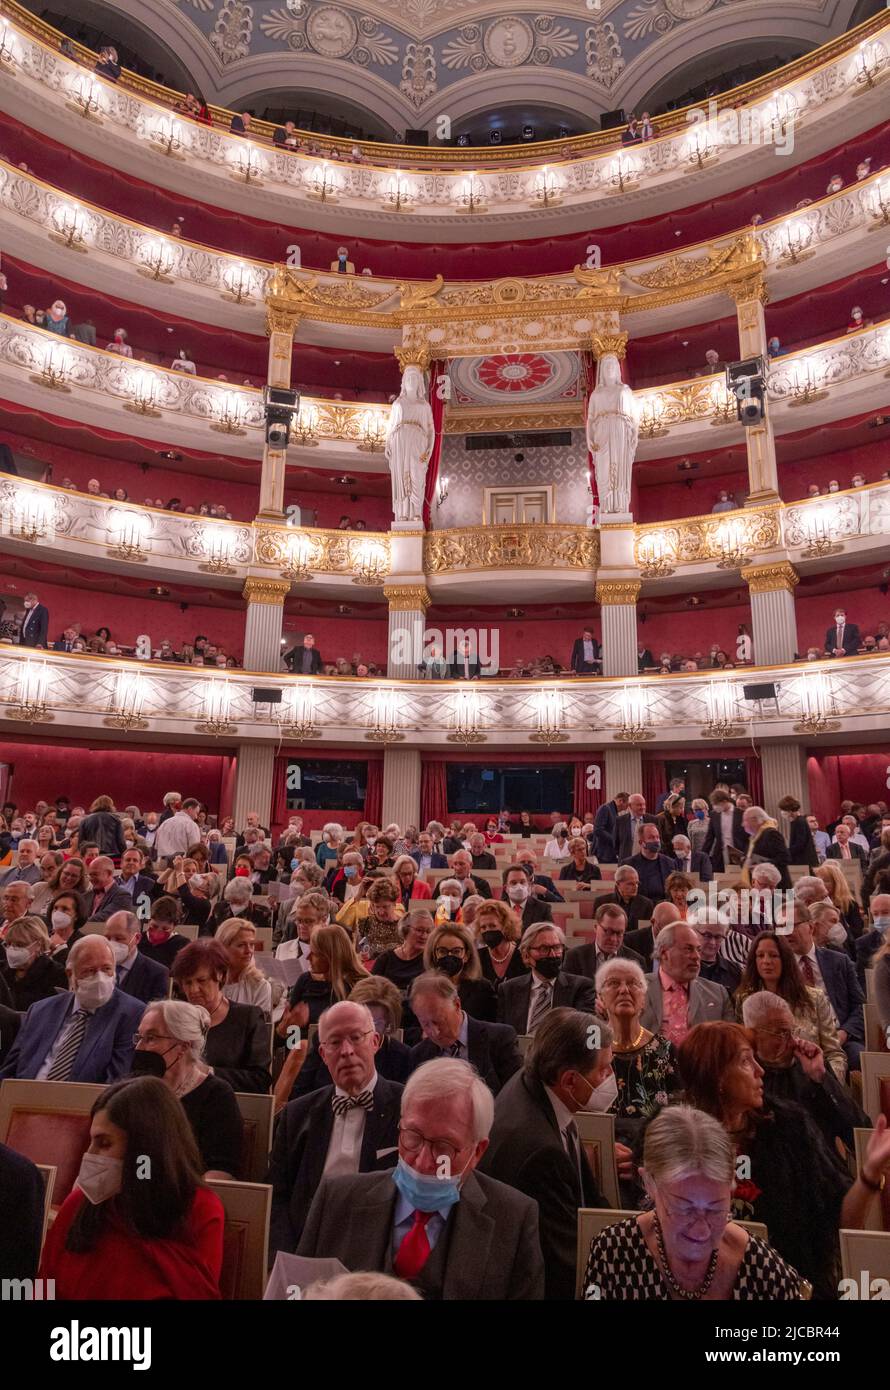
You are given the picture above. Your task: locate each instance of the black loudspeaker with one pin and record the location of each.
(417, 137)
(610, 119)
(265, 695)
(760, 692)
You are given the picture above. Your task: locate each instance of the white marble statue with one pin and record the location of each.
(409, 442)
(612, 434)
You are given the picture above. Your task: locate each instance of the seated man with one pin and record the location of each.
(525, 1001)
(835, 973)
(628, 897)
(480, 856)
(350, 1126)
(653, 868)
(453, 1233)
(518, 893)
(83, 1034)
(137, 975)
(108, 895)
(794, 1069)
(676, 998)
(461, 866)
(542, 885)
(28, 869)
(16, 902)
(691, 861)
(450, 1032)
(143, 888)
(608, 944)
(712, 932)
(643, 939)
(871, 941)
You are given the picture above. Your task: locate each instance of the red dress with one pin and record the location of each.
(121, 1265)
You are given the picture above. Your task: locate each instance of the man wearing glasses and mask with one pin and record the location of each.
(349, 1127)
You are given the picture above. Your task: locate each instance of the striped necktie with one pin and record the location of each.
(64, 1061)
(341, 1105)
(542, 1006)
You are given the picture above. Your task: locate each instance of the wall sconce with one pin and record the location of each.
(323, 184)
(870, 67)
(130, 532)
(806, 387)
(145, 388)
(54, 368)
(655, 557)
(156, 260)
(304, 430)
(33, 516)
(700, 151)
(817, 705)
(217, 543)
(7, 52)
(239, 281)
(217, 705)
(635, 717)
(780, 112)
(550, 716)
(471, 195)
(166, 138)
(623, 174)
(879, 204)
(467, 719)
(300, 554)
(71, 224)
(547, 189)
(247, 165)
(723, 405)
(30, 705)
(651, 412)
(385, 722)
(86, 97)
(231, 414)
(819, 543)
(798, 235)
(371, 566)
(399, 194)
(730, 543)
(442, 485)
(301, 715)
(721, 709)
(373, 429)
(129, 698)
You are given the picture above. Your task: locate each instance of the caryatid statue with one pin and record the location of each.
(612, 434)
(410, 435)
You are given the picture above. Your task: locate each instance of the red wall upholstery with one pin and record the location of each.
(131, 775)
(688, 632)
(668, 500)
(864, 607)
(336, 637)
(110, 188)
(834, 778)
(871, 460)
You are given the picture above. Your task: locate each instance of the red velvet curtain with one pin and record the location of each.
(433, 791)
(374, 792)
(754, 779)
(279, 791)
(437, 373)
(824, 776)
(655, 781)
(587, 800)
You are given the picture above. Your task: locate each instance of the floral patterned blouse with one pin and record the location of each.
(646, 1075)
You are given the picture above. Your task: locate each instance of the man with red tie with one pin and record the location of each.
(843, 638)
(108, 896)
(433, 1220)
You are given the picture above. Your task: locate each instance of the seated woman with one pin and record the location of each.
(237, 1045)
(677, 887)
(170, 1045)
(375, 917)
(51, 862)
(161, 942)
(840, 893)
(246, 983)
(644, 1063)
(64, 918)
(685, 1247)
(118, 1236)
(773, 965)
(334, 968)
(451, 949)
(557, 847)
(216, 850)
(345, 887)
(793, 1181)
(582, 869)
(404, 963)
(498, 929)
(411, 887)
(196, 896)
(72, 876)
(307, 912)
(29, 971)
(393, 1058)
(237, 901)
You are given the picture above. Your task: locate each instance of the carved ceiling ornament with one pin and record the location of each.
(770, 579)
(335, 552)
(511, 547)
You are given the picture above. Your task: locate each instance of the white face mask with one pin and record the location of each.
(100, 1177)
(837, 935)
(517, 892)
(93, 993)
(61, 920)
(120, 950)
(17, 957)
(603, 1096)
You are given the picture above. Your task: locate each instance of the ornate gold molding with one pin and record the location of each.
(273, 591)
(691, 539)
(548, 417)
(611, 592)
(744, 291)
(771, 579)
(602, 343)
(413, 356)
(406, 598)
(511, 547)
(327, 552)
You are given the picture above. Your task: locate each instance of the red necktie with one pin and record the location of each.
(414, 1250)
(806, 966)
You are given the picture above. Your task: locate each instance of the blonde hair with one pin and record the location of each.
(472, 970)
(333, 942)
(228, 932)
(507, 920)
(834, 878)
(26, 930)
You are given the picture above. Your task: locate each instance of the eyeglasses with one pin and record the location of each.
(712, 936)
(686, 1213)
(778, 1032)
(354, 1040)
(442, 952)
(146, 1039)
(545, 950)
(413, 1142)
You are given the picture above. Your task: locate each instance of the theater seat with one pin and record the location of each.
(49, 1122)
(875, 1067)
(256, 1116)
(246, 1239)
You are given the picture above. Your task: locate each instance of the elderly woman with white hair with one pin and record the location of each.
(766, 845)
(644, 1063)
(170, 1045)
(328, 848)
(237, 901)
(686, 1248)
(246, 983)
(557, 847)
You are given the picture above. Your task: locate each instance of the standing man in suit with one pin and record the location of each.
(690, 861)
(449, 1032)
(586, 654)
(107, 896)
(454, 1233)
(534, 1143)
(608, 944)
(725, 833)
(604, 840)
(801, 845)
(843, 638)
(526, 1000)
(137, 975)
(83, 1034)
(351, 1126)
(305, 660)
(844, 847)
(629, 832)
(835, 973)
(676, 998)
(35, 624)
(465, 666)
(518, 893)
(653, 868)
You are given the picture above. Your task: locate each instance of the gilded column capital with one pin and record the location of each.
(406, 598)
(618, 591)
(770, 579)
(752, 287)
(601, 343)
(413, 356)
(266, 590)
(281, 320)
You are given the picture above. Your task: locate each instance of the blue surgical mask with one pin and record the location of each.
(881, 923)
(350, 871)
(295, 864)
(425, 1193)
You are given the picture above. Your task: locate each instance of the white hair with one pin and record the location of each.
(444, 1077)
(707, 917)
(768, 872)
(682, 1141)
(531, 934)
(756, 815)
(171, 797)
(363, 1287)
(809, 890)
(332, 831)
(238, 890)
(32, 844)
(665, 938)
(616, 964)
(80, 946)
(625, 871)
(188, 1023)
(757, 1007)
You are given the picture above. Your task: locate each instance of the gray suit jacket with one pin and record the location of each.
(708, 1003)
(489, 1248)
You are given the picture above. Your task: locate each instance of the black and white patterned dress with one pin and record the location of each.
(621, 1268)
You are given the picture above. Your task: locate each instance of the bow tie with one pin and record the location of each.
(341, 1105)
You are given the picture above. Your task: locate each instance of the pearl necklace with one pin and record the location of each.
(675, 1286)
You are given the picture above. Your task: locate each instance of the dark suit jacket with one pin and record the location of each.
(641, 941)
(493, 1051)
(489, 1249)
(107, 1048)
(484, 861)
(866, 946)
(662, 867)
(851, 638)
(578, 654)
(771, 849)
(62, 646)
(456, 670)
(534, 910)
(843, 989)
(526, 1151)
(569, 992)
(300, 1148)
(801, 845)
(437, 861)
(35, 626)
(480, 886)
(393, 1062)
(713, 843)
(624, 833)
(639, 909)
(701, 865)
(856, 852)
(117, 899)
(644, 659)
(603, 841)
(294, 660)
(581, 960)
(10, 1023)
(147, 886)
(146, 979)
